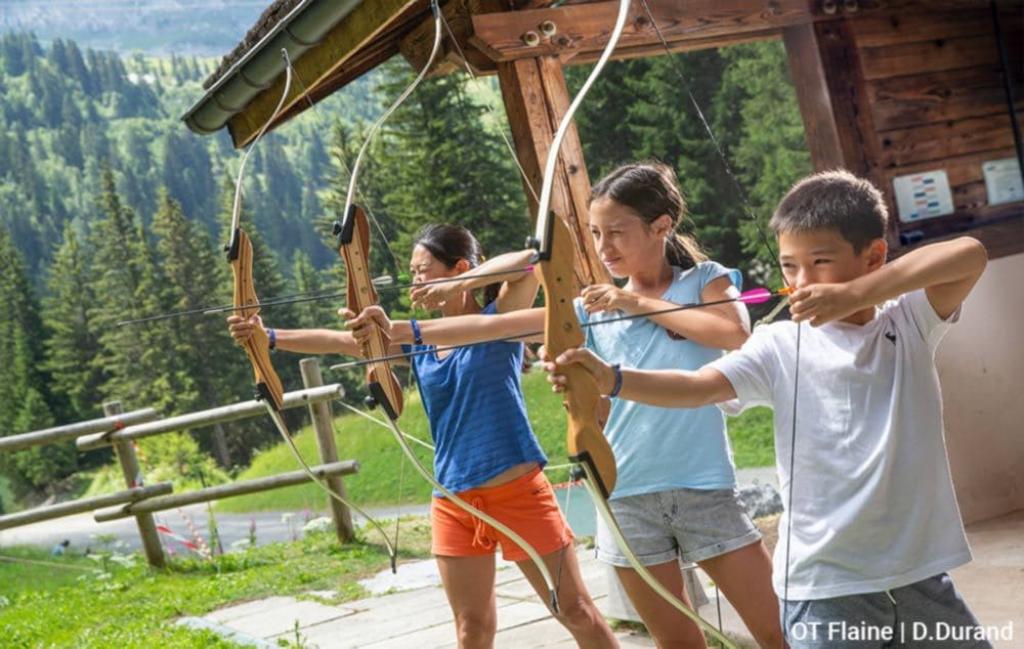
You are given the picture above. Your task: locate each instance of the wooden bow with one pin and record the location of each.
(269, 389)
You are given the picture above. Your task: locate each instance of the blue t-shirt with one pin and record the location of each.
(658, 449)
(474, 402)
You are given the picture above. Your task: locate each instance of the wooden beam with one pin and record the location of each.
(585, 28)
(416, 45)
(832, 96)
(535, 99)
(810, 80)
(358, 30)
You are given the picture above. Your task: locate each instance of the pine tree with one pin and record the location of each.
(127, 286)
(200, 348)
(767, 134)
(309, 281)
(74, 344)
(25, 400)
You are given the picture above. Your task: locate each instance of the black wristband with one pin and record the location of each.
(272, 336)
(618, 381)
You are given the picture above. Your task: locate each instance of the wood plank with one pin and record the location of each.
(901, 102)
(948, 139)
(933, 56)
(363, 26)
(847, 96)
(894, 29)
(585, 28)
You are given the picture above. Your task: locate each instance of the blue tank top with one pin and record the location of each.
(659, 449)
(474, 402)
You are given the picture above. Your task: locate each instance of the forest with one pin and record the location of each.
(111, 209)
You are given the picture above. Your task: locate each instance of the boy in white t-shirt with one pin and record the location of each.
(871, 525)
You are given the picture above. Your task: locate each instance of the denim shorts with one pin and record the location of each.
(691, 524)
(928, 613)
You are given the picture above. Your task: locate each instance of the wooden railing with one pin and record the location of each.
(120, 430)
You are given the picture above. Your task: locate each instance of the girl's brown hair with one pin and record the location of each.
(450, 243)
(651, 189)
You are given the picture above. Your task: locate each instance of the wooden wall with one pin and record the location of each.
(887, 95)
(935, 89)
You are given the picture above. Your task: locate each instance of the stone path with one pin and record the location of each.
(992, 584)
(421, 618)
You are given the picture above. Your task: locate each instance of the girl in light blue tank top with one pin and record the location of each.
(675, 497)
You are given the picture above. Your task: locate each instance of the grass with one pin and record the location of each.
(385, 478)
(118, 601)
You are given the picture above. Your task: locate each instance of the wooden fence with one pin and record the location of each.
(120, 430)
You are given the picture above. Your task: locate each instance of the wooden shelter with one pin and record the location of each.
(916, 95)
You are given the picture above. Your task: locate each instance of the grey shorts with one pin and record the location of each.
(928, 613)
(691, 524)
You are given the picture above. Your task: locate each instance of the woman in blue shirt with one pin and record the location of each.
(485, 450)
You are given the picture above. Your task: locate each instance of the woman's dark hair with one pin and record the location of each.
(450, 243)
(650, 189)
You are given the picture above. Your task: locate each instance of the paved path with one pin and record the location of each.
(425, 618)
(992, 584)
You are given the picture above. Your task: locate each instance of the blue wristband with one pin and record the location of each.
(618, 381)
(417, 337)
(272, 335)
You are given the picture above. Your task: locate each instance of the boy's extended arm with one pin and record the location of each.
(947, 270)
(676, 388)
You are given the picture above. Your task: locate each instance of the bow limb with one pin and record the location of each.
(385, 390)
(269, 388)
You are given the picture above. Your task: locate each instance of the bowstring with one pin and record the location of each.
(490, 109)
(348, 172)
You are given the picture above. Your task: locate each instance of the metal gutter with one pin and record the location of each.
(302, 29)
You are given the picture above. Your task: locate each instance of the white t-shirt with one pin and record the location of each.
(873, 504)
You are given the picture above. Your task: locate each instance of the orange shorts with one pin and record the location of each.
(526, 505)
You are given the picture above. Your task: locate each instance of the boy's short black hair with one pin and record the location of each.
(835, 200)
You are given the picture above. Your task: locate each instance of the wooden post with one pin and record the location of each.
(133, 478)
(535, 99)
(322, 417)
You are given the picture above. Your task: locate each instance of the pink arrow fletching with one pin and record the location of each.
(755, 296)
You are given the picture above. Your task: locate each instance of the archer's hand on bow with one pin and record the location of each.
(434, 296)
(601, 298)
(821, 303)
(242, 329)
(363, 325)
(602, 372)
